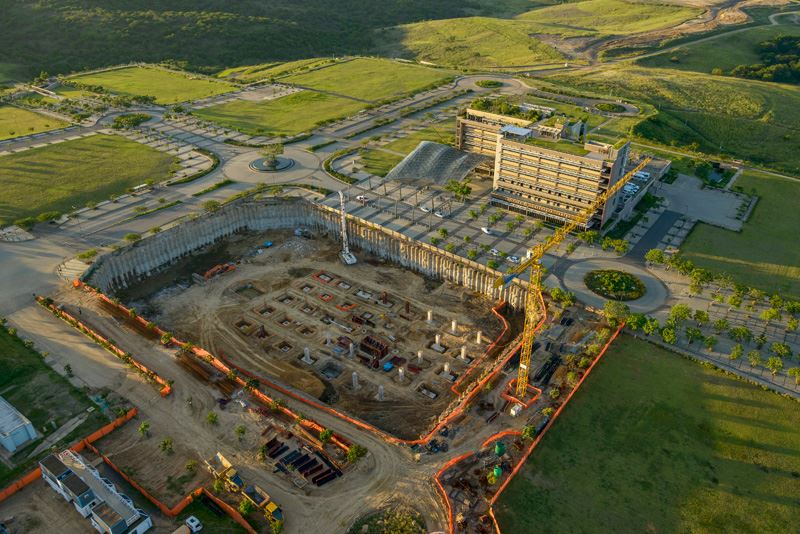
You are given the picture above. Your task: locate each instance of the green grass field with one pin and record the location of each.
(763, 254)
(756, 121)
(656, 443)
(266, 71)
(725, 52)
(168, 87)
(288, 115)
(41, 395)
(15, 122)
(73, 173)
(379, 162)
(371, 79)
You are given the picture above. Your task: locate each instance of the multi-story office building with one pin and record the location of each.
(538, 173)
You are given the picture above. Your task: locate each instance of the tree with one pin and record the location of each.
(548, 412)
(492, 264)
(246, 507)
(212, 418)
(693, 334)
(680, 312)
(166, 446)
(669, 336)
(443, 232)
(701, 317)
(710, 342)
(132, 238)
(529, 432)
(775, 365)
(735, 300)
(721, 325)
(736, 352)
(472, 253)
(615, 311)
(191, 466)
(770, 314)
(792, 325)
(650, 326)
(460, 189)
(325, 435)
(781, 350)
(795, 372)
(218, 486)
(211, 205)
(473, 214)
(68, 371)
(740, 334)
(144, 429)
(655, 256)
(355, 452)
(635, 321)
(240, 431)
(754, 357)
(435, 240)
(554, 393)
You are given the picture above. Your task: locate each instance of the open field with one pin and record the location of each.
(371, 79)
(724, 52)
(757, 121)
(763, 255)
(15, 122)
(168, 87)
(380, 162)
(266, 71)
(73, 173)
(609, 17)
(474, 42)
(43, 396)
(486, 42)
(656, 443)
(288, 115)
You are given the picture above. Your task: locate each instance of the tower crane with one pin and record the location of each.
(348, 258)
(533, 264)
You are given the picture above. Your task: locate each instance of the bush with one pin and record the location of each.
(613, 284)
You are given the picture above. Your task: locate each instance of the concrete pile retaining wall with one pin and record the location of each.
(132, 263)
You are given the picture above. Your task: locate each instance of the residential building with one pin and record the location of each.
(15, 429)
(94, 497)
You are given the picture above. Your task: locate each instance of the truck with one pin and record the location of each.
(264, 502)
(222, 469)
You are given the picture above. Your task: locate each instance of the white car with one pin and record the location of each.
(194, 524)
(361, 198)
(424, 209)
(439, 214)
(486, 230)
(513, 259)
(494, 252)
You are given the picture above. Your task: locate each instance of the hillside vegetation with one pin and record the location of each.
(481, 42)
(62, 36)
(757, 121)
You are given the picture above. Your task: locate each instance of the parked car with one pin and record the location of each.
(513, 259)
(439, 214)
(194, 524)
(486, 230)
(425, 209)
(362, 198)
(494, 252)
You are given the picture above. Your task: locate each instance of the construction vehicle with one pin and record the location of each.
(219, 269)
(264, 502)
(222, 469)
(533, 265)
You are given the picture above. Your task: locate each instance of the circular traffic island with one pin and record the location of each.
(610, 107)
(271, 164)
(615, 285)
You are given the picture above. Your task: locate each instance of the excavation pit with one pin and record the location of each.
(249, 291)
(331, 371)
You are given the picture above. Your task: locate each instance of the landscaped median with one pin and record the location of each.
(328, 165)
(147, 374)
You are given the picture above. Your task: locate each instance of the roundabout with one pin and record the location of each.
(615, 285)
(650, 296)
(275, 164)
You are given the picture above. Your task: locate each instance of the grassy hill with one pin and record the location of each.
(655, 443)
(724, 52)
(62, 36)
(482, 42)
(753, 120)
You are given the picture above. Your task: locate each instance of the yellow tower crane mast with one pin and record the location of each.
(536, 253)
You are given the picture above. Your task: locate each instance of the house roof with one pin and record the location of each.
(74, 484)
(55, 466)
(10, 418)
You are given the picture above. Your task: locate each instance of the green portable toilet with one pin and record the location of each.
(499, 448)
(497, 471)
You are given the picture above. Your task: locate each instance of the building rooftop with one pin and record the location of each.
(74, 484)
(55, 466)
(10, 418)
(106, 514)
(567, 147)
(516, 130)
(105, 491)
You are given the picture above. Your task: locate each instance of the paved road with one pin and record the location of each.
(654, 235)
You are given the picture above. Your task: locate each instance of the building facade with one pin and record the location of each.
(540, 174)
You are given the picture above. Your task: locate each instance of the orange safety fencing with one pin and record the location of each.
(186, 501)
(166, 388)
(225, 366)
(478, 360)
(77, 447)
(523, 459)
